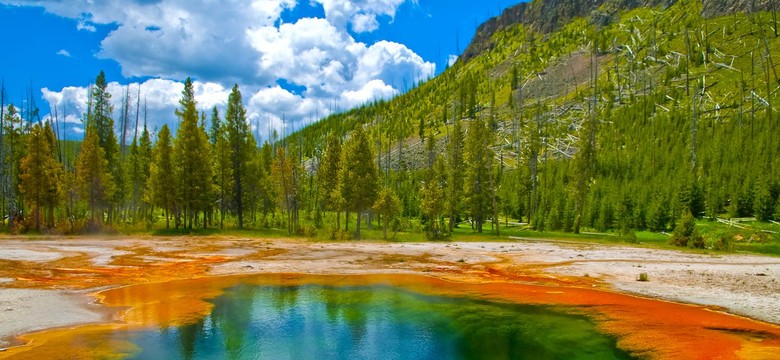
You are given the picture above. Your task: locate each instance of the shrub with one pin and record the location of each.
(685, 233)
(696, 241)
(643, 277)
(722, 243)
(759, 237)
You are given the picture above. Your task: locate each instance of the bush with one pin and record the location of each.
(629, 236)
(685, 233)
(722, 243)
(759, 237)
(696, 241)
(643, 277)
(437, 233)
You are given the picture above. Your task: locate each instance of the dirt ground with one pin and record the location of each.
(50, 283)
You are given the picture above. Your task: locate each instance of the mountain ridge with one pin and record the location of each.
(547, 16)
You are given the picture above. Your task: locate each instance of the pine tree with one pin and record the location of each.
(240, 140)
(162, 184)
(140, 160)
(388, 206)
(223, 167)
(144, 161)
(268, 187)
(14, 142)
(192, 159)
(328, 178)
(253, 179)
(216, 126)
(93, 178)
(286, 183)
(359, 175)
(479, 160)
(39, 175)
(69, 194)
(455, 169)
(432, 200)
(99, 116)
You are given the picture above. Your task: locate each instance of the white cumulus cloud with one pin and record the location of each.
(361, 14)
(296, 72)
(63, 52)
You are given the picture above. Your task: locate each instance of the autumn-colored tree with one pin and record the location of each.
(359, 176)
(39, 175)
(92, 175)
(192, 159)
(161, 186)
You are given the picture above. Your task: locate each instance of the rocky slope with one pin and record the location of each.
(550, 15)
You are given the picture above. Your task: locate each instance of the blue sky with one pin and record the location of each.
(295, 60)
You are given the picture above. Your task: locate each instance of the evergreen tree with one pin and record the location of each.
(14, 147)
(432, 200)
(192, 159)
(359, 175)
(283, 171)
(268, 187)
(39, 176)
(388, 206)
(479, 160)
(100, 116)
(223, 166)
(216, 126)
(93, 178)
(328, 178)
(162, 184)
(455, 169)
(241, 148)
(140, 161)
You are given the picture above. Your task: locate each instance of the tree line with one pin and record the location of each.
(672, 119)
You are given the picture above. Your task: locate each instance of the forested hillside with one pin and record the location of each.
(610, 116)
(620, 119)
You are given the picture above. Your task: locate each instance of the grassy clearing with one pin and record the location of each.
(745, 236)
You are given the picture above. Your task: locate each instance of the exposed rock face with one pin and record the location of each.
(549, 15)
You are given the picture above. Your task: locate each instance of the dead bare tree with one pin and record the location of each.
(125, 118)
(2, 151)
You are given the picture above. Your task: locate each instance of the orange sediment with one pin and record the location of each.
(167, 289)
(644, 327)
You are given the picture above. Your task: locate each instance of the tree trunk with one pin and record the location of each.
(357, 230)
(38, 218)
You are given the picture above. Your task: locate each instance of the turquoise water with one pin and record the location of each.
(377, 322)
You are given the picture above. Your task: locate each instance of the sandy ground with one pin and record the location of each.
(45, 283)
(27, 310)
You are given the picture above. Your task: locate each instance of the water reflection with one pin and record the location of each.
(370, 322)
